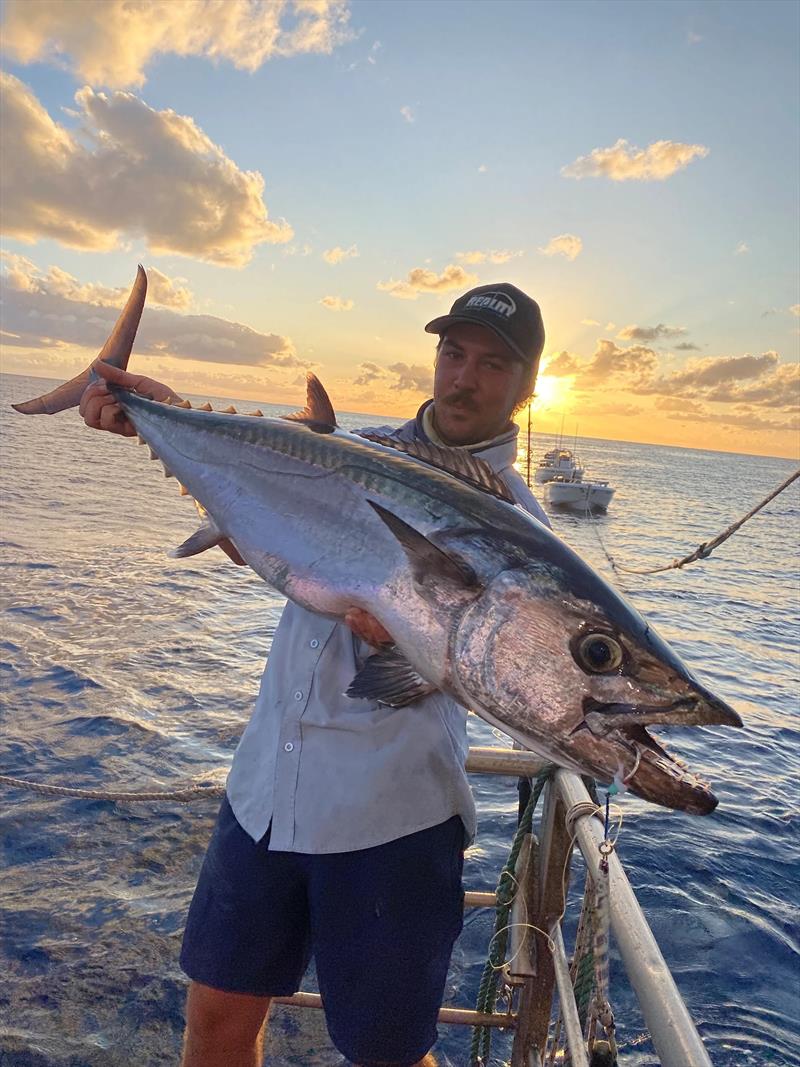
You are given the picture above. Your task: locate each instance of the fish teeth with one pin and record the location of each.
(167, 472)
(140, 439)
(205, 407)
(231, 410)
(184, 490)
(153, 453)
(258, 413)
(183, 404)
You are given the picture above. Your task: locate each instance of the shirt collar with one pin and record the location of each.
(425, 429)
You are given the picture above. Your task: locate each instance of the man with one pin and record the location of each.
(344, 824)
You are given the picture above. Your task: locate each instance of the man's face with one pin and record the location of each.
(476, 385)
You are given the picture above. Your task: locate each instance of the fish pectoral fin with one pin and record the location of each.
(207, 536)
(390, 679)
(318, 413)
(428, 561)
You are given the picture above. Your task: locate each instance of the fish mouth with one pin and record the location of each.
(656, 775)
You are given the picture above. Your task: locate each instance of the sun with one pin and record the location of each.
(550, 393)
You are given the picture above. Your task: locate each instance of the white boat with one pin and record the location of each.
(558, 462)
(573, 492)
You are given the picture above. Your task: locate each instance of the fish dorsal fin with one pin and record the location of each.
(390, 679)
(457, 461)
(318, 412)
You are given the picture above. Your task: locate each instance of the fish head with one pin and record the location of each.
(580, 679)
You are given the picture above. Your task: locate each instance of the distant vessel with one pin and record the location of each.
(570, 490)
(557, 463)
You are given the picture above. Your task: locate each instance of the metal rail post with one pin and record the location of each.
(674, 1035)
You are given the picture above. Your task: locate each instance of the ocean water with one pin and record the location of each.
(124, 669)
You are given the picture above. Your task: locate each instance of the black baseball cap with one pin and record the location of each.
(506, 310)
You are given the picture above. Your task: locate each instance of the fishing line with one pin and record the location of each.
(704, 550)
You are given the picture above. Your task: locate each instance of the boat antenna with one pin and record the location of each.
(561, 431)
(529, 443)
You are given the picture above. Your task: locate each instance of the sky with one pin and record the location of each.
(308, 182)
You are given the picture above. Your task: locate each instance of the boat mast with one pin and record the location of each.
(529, 444)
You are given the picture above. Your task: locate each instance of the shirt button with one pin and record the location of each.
(288, 747)
(314, 643)
(298, 695)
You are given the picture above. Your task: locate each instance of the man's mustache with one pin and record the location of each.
(464, 397)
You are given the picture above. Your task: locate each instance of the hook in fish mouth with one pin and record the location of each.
(626, 725)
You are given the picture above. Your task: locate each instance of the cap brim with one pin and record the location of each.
(440, 325)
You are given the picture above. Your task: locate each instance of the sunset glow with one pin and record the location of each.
(308, 184)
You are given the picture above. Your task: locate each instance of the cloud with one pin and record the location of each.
(54, 311)
(780, 389)
(372, 58)
(497, 256)
(741, 249)
(619, 408)
(795, 310)
(370, 372)
(567, 244)
(683, 405)
(111, 42)
(336, 303)
(687, 346)
(407, 113)
(636, 364)
(630, 368)
(715, 371)
(337, 254)
(482, 169)
(129, 170)
(693, 38)
(561, 366)
(402, 377)
(23, 275)
(589, 322)
(420, 280)
(741, 380)
(415, 377)
(743, 418)
(625, 162)
(650, 333)
(297, 250)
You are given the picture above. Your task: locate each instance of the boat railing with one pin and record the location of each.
(538, 972)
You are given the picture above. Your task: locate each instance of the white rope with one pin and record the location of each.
(184, 795)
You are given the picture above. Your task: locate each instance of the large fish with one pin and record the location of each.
(482, 600)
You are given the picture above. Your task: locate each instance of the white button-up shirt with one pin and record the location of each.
(334, 774)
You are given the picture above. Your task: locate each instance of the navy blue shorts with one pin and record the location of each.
(380, 922)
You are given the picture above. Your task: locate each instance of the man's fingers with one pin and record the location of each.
(113, 419)
(102, 412)
(115, 375)
(137, 382)
(90, 394)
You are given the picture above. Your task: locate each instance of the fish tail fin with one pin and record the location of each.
(115, 351)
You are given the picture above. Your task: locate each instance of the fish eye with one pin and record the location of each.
(599, 653)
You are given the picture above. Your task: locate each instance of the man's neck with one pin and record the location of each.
(432, 430)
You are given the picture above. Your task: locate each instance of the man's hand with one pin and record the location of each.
(102, 412)
(368, 628)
